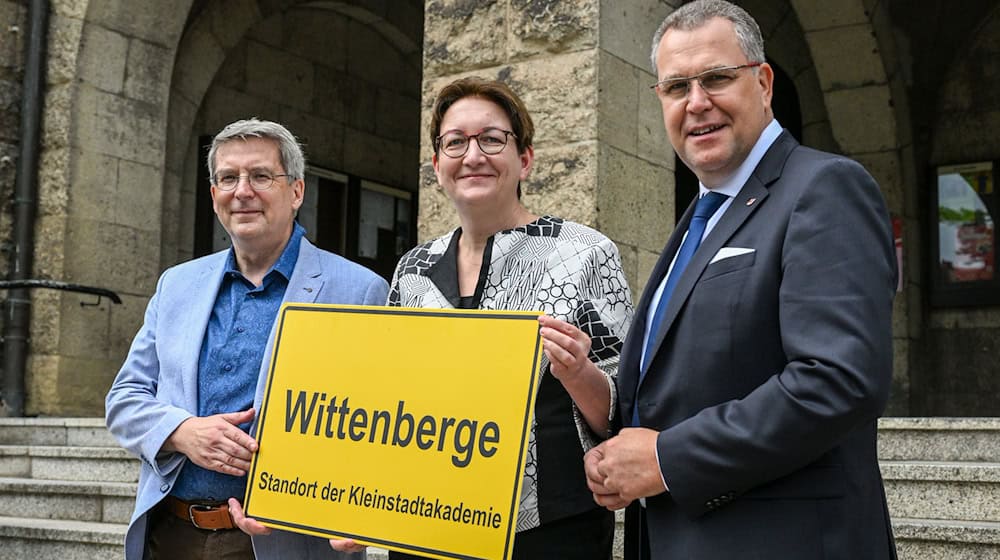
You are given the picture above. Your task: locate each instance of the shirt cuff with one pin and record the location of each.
(656, 450)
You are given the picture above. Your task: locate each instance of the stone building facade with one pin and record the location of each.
(134, 87)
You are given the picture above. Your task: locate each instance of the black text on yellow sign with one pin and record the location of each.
(401, 428)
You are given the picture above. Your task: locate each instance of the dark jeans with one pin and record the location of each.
(170, 538)
(587, 536)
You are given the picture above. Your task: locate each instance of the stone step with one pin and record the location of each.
(89, 432)
(916, 539)
(101, 502)
(939, 439)
(934, 539)
(943, 490)
(942, 479)
(41, 539)
(108, 464)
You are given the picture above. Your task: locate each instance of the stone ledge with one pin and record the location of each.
(975, 532)
(91, 452)
(42, 486)
(939, 439)
(55, 530)
(90, 432)
(100, 464)
(941, 471)
(939, 423)
(53, 422)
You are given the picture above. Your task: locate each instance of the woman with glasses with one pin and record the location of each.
(503, 256)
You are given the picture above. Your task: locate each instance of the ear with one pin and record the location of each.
(215, 205)
(765, 78)
(298, 193)
(436, 163)
(527, 159)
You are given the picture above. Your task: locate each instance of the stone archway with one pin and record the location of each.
(101, 160)
(124, 79)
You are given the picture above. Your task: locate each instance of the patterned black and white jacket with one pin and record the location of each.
(566, 270)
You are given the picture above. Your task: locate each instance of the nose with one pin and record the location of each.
(698, 100)
(473, 154)
(243, 188)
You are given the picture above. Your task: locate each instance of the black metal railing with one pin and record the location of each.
(65, 286)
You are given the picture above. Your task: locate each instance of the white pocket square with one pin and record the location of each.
(727, 252)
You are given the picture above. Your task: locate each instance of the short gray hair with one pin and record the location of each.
(289, 148)
(698, 13)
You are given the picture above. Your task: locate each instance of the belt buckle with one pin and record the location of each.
(199, 507)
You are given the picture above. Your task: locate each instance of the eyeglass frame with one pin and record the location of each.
(697, 77)
(469, 137)
(217, 182)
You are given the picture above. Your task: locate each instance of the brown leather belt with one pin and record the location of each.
(210, 517)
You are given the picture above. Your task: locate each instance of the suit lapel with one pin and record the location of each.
(303, 287)
(307, 277)
(194, 320)
(750, 197)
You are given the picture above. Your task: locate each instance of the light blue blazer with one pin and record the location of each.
(157, 386)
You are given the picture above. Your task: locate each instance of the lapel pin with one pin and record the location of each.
(751, 201)
(310, 290)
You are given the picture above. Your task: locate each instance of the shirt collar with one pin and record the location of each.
(731, 186)
(285, 264)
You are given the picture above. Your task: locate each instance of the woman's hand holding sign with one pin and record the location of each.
(568, 350)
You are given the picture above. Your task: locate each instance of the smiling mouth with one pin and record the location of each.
(704, 130)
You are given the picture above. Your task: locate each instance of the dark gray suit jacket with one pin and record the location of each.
(771, 369)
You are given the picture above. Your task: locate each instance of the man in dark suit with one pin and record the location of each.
(761, 358)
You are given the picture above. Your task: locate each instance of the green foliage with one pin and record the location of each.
(960, 215)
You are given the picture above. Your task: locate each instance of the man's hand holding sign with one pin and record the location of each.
(355, 443)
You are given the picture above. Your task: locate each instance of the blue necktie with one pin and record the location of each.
(706, 207)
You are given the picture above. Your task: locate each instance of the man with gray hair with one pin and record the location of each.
(760, 358)
(185, 399)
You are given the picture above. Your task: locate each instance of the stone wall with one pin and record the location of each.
(61, 370)
(123, 90)
(601, 156)
(100, 180)
(960, 374)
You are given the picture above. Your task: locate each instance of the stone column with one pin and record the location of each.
(582, 68)
(100, 193)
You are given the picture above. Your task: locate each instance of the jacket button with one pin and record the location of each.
(164, 487)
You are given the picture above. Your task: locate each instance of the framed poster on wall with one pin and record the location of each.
(963, 256)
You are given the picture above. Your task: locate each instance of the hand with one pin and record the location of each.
(566, 347)
(215, 442)
(246, 524)
(346, 545)
(627, 465)
(595, 481)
